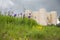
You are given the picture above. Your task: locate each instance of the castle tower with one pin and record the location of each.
(42, 16)
(53, 17)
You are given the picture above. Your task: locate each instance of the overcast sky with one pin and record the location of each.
(19, 5)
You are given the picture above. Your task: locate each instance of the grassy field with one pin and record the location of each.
(12, 28)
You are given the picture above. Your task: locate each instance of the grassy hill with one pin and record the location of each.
(12, 28)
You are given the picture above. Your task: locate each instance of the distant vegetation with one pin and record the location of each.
(12, 28)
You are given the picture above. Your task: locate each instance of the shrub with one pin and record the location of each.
(58, 25)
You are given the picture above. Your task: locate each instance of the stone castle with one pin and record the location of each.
(42, 16)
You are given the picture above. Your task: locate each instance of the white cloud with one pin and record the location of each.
(6, 4)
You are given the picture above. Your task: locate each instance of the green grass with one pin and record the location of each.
(12, 28)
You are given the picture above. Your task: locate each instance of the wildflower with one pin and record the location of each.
(14, 15)
(39, 27)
